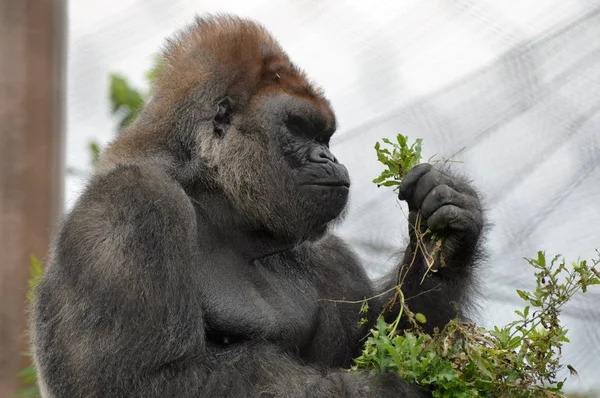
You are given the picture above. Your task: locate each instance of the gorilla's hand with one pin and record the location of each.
(449, 207)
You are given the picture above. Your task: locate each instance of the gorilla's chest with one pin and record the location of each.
(275, 298)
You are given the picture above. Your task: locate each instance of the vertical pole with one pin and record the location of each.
(32, 37)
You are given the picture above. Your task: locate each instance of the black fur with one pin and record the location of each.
(197, 263)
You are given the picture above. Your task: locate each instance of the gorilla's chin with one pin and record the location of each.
(326, 202)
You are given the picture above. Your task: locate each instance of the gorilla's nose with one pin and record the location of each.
(320, 154)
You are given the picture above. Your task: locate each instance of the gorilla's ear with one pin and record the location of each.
(223, 116)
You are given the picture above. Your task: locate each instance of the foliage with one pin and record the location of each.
(520, 359)
(154, 71)
(28, 380)
(125, 100)
(35, 275)
(28, 376)
(95, 151)
(398, 161)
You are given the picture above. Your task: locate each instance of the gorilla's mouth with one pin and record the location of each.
(331, 184)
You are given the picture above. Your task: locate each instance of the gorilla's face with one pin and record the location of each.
(321, 182)
(283, 176)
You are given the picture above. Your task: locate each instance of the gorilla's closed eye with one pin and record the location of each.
(311, 129)
(298, 124)
(323, 139)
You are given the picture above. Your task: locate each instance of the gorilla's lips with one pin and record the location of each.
(332, 184)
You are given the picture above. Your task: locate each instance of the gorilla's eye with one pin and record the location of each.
(298, 124)
(308, 128)
(324, 140)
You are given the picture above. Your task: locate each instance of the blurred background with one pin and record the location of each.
(510, 90)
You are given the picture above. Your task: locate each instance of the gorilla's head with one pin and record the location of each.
(272, 159)
(250, 125)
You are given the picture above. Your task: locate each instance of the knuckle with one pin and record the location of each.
(447, 215)
(443, 193)
(452, 213)
(416, 173)
(421, 168)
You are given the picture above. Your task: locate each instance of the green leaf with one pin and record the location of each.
(29, 392)
(401, 140)
(379, 179)
(481, 363)
(35, 275)
(27, 377)
(124, 99)
(390, 183)
(364, 308)
(421, 318)
(513, 343)
(95, 150)
(29, 370)
(524, 295)
(398, 162)
(541, 260)
(157, 67)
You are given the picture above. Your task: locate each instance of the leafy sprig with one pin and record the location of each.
(399, 158)
(520, 359)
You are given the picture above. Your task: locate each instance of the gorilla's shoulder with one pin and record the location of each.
(134, 177)
(336, 263)
(333, 246)
(123, 175)
(136, 187)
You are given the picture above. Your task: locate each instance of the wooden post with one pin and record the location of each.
(32, 35)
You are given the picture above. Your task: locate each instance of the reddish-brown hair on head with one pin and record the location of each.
(226, 55)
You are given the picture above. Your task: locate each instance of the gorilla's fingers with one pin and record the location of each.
(410, 180)
(431, 180)
(450, 217)
(444, 195)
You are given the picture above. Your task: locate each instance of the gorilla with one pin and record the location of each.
(198, 262)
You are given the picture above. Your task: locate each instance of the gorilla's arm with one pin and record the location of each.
(117, 310)
(120, 310)
(449, 207)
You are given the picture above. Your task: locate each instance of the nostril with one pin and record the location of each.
(321, 155)
(328, 156)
